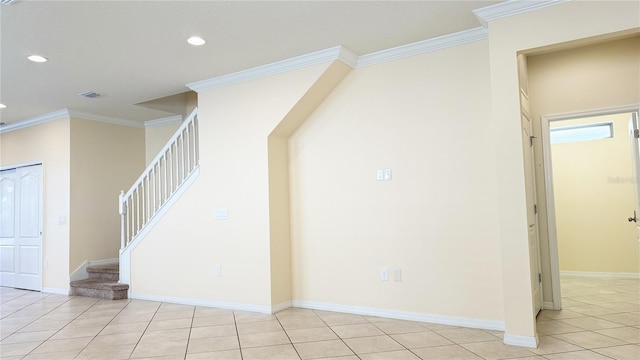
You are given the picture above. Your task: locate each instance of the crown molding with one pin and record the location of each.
(40, 119)
(163, 121)
(105, 119)
(510, 8)
(67, 113)
(330, 54)
(424, 46)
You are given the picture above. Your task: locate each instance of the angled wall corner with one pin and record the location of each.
(279, 201)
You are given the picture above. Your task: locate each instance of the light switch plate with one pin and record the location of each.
(221, 214)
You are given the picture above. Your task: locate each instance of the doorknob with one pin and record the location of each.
(634, 219)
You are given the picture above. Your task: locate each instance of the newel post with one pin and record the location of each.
(122, 208)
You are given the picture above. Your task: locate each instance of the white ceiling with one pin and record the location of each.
(136, 51)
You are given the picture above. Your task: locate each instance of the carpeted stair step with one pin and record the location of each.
(98, 288)
(108, 272)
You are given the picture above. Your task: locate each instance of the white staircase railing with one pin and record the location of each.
(160, 181)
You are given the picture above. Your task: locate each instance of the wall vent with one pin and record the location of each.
(89, 94)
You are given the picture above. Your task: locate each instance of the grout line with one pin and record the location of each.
(145, 329)
(235, 323)
(186, 350)
(341, 339)
(287, 335)
(60, 329)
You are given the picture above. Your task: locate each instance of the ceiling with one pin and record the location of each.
(136, 51)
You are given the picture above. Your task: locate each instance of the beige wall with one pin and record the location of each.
(428, 119)
(47, 143)
(588, 77)
(234, 160)
(105, 159)
(156, 137)
(594, 196)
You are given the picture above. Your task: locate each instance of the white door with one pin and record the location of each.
(634, 134)
(20, 227)
(532, 217)
(530, 190)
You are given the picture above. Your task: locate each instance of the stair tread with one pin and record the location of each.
(107, 268)
(99, 284)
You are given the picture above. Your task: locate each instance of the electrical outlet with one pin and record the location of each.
(379, 174)
(384, 274)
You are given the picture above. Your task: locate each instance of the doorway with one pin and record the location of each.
(21, 227)
(589, 174)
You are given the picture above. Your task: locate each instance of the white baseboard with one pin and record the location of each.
(519, 340)
(265, 309)
(403, 315)
(548, 305)
(81, 272)
(55, 291)
(279, 307)
(594, 274)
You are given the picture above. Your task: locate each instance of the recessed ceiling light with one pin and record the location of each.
(196, 41)
(37, 58)
(2, 106)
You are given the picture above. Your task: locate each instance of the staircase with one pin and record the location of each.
(164, 180)
(102, 283)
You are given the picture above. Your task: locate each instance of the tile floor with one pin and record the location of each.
(600, 320)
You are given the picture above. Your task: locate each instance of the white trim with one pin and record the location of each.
(105, 119)
(298, 62)
(510, 8)
(592, 112)
(549, 305)
(265, 309)
(125, 254)
(163, 121)
(55, 291)
(403, 315)
(595, 274)
(21, 165)
(552, 230)
(552, 234)
(81, 273)
(519, 340)
(67, 113)
(279, 307)
(423, 46)
(40, 119)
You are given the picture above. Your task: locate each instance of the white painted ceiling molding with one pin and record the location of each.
(40, 119)
(106, 119)
(298, 62)
(163, 121)
(424, 46)
(67, 113)
(510, 8)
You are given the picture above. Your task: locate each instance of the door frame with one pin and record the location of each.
(552, 234)
(41, 266)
